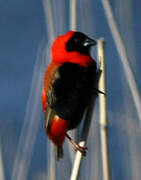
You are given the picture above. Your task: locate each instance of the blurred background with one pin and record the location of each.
(26, 34)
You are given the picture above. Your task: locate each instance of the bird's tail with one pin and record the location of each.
(59, 152)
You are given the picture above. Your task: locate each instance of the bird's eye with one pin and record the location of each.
(76, 40)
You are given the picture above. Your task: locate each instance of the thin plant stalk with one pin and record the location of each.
(123, 56)
(28, 136)
(103, 112)
(49, 19)
(73, 15)
(51, 36)
(2, 175)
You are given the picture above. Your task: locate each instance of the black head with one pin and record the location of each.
(80, 42)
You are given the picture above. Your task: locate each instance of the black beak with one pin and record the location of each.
(89, 42)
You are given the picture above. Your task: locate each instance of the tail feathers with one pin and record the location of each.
(59, 152)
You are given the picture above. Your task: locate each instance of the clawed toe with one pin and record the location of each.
(77, 146)
(81, 149)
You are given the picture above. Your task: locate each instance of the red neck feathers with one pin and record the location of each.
(60, 55)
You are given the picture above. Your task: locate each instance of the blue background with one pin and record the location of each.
(22, 31)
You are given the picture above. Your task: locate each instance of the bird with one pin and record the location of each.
(67, 87)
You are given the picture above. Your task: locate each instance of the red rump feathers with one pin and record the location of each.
(58, 130)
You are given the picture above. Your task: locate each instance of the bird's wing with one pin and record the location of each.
(48, 97)
(50, 113)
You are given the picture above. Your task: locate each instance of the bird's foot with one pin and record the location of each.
(81, 149)
(77, 147)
